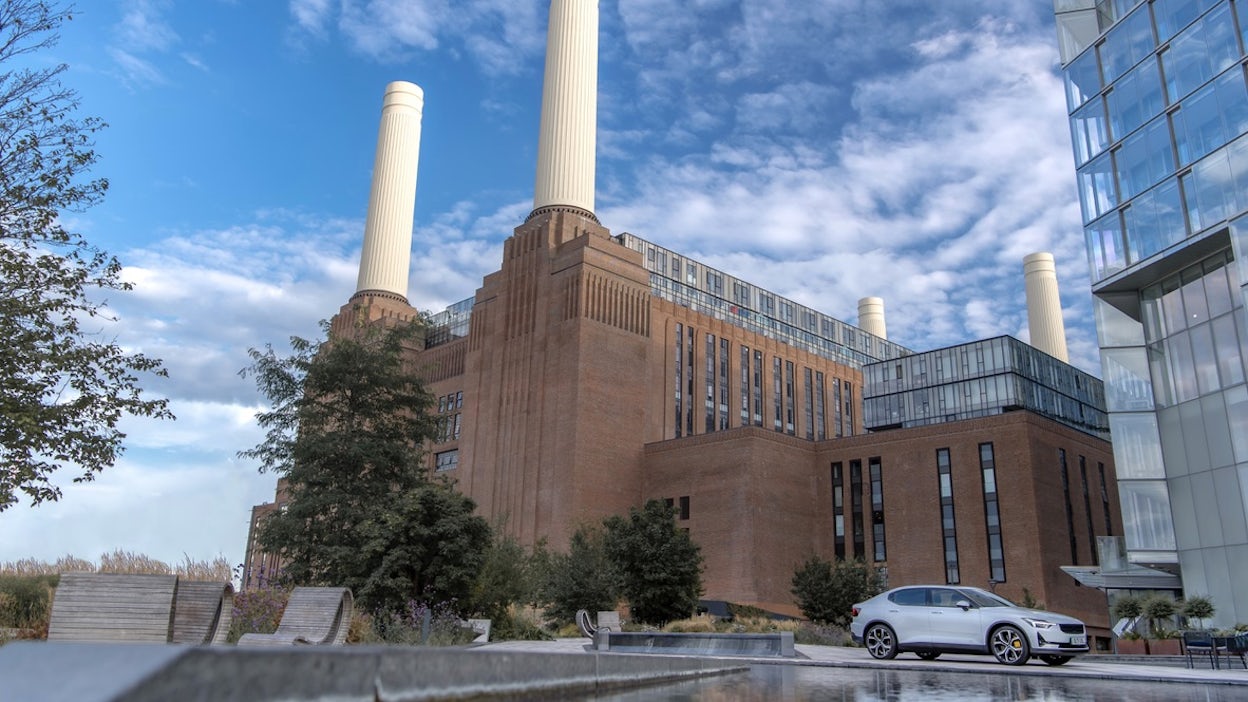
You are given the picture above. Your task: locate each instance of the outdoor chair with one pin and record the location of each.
(610, 621)
(1234, 647)
(202, 612)
(313, 615)
(1200, 643)
(582, 622)
(107, 607)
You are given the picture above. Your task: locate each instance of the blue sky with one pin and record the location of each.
(827, 150)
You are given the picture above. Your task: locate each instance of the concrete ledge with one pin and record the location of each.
(134, 673)
(779, 645)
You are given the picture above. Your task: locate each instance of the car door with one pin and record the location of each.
(909, 614)
(952, 625)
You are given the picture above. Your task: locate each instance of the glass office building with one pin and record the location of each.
(1159, 118)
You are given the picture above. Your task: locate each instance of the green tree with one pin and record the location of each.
(1198, 607)
(582, 578)
(826, 590)
(1157, 609)
(348, 420)
(1128, 607)
(64, 383)
(506, 577)
(426, 546)
(660, 567)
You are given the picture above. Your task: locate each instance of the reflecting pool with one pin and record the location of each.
(778, 682)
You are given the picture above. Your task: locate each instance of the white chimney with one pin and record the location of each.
(1044, 305)
(871, 316)
(567, 140)
(387, 253)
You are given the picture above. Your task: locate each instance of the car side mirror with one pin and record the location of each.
(964, 604)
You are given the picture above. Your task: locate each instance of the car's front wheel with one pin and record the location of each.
(1055, 660)
(1009, 646)
(880, 641)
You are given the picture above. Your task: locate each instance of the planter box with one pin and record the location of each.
(1165, 647)
(1133, 647)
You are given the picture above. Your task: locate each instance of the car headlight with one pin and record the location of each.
(1039, 623)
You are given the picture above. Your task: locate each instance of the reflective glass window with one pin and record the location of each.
(1227, 350)
(1182, 365)
(1128, 387)
(1083, 80)
(1144, 158)
(1241, 9)
(1107, 254)
(1237, 416)
(1205, 363)
(1137, 445)
(1200, 52)
(1128, 42)
(1218, 292)
(1146, 515)
(1115, 327)
(1097, 193)
(1154, 221)
(1173, 15)
(1195, 307)
(1089, 131)
(1210, 191)
(1135, 99)
(1212, 116)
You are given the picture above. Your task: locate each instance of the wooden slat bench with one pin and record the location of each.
(105, 607)
(202, 612)
(313, 615)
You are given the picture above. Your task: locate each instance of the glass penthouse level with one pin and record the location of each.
(714, 293)
(1159, 118)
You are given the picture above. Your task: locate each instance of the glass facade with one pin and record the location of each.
(733, 300)
(1158, 106)
(980, 379)
(450, 324)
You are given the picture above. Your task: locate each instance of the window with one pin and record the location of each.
(1109, 522)
(684, 507)
(809, 393)
(1087, 508)
(944, 474)
(838, 510)
(877, 508)
(745, 386)
(711, 378)
(680, 367)
(1070, 514)
(789, 400)
(821, 430)
(777, 394)
(855, 504)
(740, 293)
(723, 383)
(992, 514)
(446, 460)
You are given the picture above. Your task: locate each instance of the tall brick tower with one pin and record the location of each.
(557, 358)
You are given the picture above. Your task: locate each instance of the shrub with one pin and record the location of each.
(257, 611)
(826, 590)
(26, 603)
(416, 624)
(1157, 609)
(1199, 608)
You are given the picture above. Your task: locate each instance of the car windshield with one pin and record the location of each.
(986, 599)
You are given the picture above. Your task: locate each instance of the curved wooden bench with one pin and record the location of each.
(202, 612)
(105, 607)
(313, 615)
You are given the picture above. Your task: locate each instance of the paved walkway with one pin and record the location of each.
(1092, 666)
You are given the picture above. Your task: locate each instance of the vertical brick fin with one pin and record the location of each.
(611, 302)
(477, 326)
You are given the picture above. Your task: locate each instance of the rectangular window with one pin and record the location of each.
(459, 399)
(711, 378)
(809, 393)
(777, 394)
(992, 514)
(690, 380)
(457, 425)
(767, 304)
(1109, 522)
(877, 508)
(447, 460)
(1087, 508)
(723, 383)
(758, 388)
(838, 510)
(821, 430)
(1070, 513)
(680, 378)
(789, 399)
(745, 386)
(684, 507)
(849, 409)
(855, 505)
(837, 414)
(949, 534)
(741, 293)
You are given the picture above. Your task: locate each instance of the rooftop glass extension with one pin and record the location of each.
(981, 379)
(714, 293)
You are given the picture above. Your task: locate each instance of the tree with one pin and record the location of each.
(1156, 609)
(426, 546)
(583, 578)
(660, 567)
(1128, 607)
(348, 420)
(826, 591)
(1198, 607)
(64, 384)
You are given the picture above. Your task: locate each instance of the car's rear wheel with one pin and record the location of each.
(1009, 646)
(880, 641)
(928, 655)
(1055, 660)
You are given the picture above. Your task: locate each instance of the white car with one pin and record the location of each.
(933, 619)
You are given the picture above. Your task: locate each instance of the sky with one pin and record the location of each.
(826, 150)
